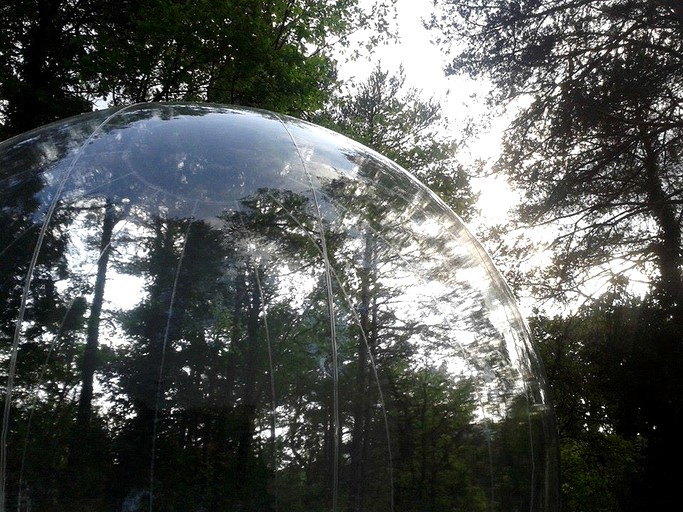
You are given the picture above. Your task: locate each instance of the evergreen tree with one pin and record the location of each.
(595, 141)
(595, 148)
(394, 120)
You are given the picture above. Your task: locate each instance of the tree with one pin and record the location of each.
(398, 123)
(594, 145)
(89, 364)
(438, 443)
(175, 357)
(60, 57)
(600, 368)
(595, 148)
(44, 48)
(39, 324)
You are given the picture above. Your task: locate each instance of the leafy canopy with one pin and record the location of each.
(58, 58)
(386, 115)
(596, 142)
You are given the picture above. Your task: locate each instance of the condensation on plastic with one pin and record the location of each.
(212, 308)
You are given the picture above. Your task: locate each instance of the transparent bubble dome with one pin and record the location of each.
(206, 308)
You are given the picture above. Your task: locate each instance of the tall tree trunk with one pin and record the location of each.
(246, 412)
(84, 479)
(89, 364)
(362, 404)
(668, 250)
(663, 401)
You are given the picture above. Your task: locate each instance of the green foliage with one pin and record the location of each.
(598, 474)
(595, 147)
(613, 372)
(437, 448)
(43, 46)
(57, 58)
(241, 52)
(596, 140)
(397, 122)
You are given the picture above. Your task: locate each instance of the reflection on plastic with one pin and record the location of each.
(205, 308)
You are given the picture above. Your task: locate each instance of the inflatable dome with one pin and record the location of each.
(209, 308)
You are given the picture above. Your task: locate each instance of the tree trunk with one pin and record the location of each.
(246, 411)
(83, 478)
(668, 250)
(362, 406)
(89, 364)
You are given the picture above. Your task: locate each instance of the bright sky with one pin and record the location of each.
(421, 59)
(460, 98)
(423, 63)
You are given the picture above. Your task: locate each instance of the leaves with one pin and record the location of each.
(595, 145)
(596, 151)
(397, 122)
(60, 58)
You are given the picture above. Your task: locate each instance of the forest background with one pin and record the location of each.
(593, 89)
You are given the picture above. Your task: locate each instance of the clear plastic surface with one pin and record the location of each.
(206, 308)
